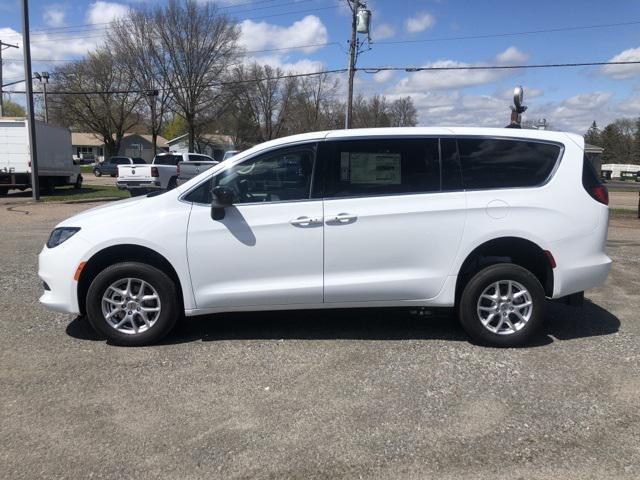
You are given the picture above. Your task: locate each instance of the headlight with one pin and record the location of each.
(60, 235)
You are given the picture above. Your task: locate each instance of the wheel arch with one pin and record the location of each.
(122, 253)
(508, 249)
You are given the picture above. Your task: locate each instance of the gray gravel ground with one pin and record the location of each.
(341, 394)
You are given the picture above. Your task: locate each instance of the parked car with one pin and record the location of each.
(489, 221)
(162, 174)
(55, 162)
(193, 164)
(230, 153)
(110, 167)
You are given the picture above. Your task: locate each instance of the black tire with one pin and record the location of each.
(173, 183)
(97, 172)
(468, 306)
(78, 184)
(165, 288)
(47, 187)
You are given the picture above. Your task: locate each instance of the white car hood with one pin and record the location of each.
(105, 212)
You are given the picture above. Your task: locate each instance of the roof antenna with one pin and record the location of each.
(517, 109)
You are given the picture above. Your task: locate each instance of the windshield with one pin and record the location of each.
(167, 159)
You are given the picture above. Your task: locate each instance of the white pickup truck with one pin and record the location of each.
(161, 174)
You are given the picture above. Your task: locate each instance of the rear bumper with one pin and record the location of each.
(182, 181)
(135, 185)
(591, 273)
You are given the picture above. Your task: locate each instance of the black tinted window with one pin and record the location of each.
(280, 176)
(357, 168)
(139, 161)
(451, 173)
(167, 160)
(493, 163)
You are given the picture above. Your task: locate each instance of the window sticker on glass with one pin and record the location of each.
(375, 168)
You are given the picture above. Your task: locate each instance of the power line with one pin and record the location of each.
(296, 47)
(494, 67)
(214, 84)
(364, 69)
(510, 34)
(90, 27)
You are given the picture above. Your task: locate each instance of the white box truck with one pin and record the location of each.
(55, 156)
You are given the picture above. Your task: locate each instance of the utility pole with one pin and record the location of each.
(2, 47)
(360, 19)
(44, 80)
(35, 184)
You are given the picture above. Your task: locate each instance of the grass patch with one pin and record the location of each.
(622, 189)
(65, 194)
(86, 168)
(622, 213)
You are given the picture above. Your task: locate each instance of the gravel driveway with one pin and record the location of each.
(340, 394)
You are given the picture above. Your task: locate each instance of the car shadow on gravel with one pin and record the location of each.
(563, 323)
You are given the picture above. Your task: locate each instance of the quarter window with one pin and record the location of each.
(501, 163)
(359, 168)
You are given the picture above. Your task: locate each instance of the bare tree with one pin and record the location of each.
(313, 103)
(267, 97)
(99, 97)
(195, 45)
(134, 41)
(402, 113)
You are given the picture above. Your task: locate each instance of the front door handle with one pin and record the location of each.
(345, 218)
(305, 221)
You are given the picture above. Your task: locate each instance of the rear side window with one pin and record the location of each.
(167, 160)
(501, 163)
(360, 168)
(139, 161)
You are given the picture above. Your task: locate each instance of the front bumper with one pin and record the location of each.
(56, 267)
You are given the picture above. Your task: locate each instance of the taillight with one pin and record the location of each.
(154, 172)
(599, 193)
(592, 184)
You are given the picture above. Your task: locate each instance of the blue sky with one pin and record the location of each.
(568, 98)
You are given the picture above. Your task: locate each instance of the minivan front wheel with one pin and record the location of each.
(132, 304)
(502, 305)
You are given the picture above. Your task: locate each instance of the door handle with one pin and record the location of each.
(305, 221)
(345, 218)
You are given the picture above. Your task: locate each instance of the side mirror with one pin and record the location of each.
(222, 197)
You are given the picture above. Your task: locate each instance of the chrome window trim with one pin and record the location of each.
(397, 137)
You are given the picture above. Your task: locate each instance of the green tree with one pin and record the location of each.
(593, 135)
(12, 109)
(174, 127)
(636, 143)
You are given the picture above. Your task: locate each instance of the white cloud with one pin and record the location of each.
(382, 31)
(263, 35)
(512, 55)
(102, 12)
(383, 76)
(622, 72)
(54, 15)
(420, 22)
(301, 66)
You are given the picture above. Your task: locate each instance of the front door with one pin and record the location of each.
(391, 232)
(267, 250)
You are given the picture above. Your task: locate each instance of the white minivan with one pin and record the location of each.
(490, 221)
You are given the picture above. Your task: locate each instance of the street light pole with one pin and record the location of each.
(35, 184)
(44, 80)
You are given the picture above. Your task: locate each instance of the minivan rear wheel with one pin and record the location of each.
(502, 305)
(132, 304)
